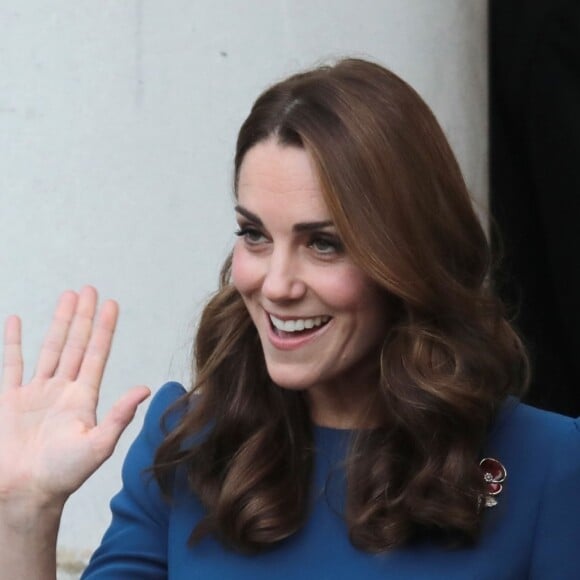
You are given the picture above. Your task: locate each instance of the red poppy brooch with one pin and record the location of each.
(494, 474)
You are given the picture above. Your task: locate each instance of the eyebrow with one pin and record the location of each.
(299, 227)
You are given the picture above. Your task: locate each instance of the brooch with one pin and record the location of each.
(494, 474)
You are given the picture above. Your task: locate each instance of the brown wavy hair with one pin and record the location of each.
(449, 357)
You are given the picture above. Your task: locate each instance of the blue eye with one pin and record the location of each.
(325, 245)
(250, 235)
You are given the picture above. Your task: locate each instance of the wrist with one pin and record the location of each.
(28, 539)
(26, 514)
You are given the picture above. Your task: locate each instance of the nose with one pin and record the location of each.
(283, 279)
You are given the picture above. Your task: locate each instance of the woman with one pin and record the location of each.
(352, 372)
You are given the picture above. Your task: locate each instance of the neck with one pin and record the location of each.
(346, 404)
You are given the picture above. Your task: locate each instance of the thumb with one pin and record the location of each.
(121, 414)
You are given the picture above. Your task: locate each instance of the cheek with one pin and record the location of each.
(363, 303)
(350, 290)
(243, 274)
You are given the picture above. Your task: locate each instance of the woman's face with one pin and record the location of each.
(320, 319)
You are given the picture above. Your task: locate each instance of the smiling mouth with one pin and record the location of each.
(297, 326)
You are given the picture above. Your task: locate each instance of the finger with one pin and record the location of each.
(78, 334)
(109, 430)
(97, 352)
(12, 366)
(55, 338)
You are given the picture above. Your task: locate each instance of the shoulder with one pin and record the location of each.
(540, 449)
(136, 542)
(164, 412)
(165, 396)
(518, 423)
(162, 416)
(539, 503)
(541, 452)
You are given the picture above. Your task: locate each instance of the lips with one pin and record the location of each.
(293, 333)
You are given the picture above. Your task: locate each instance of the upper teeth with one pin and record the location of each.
(298, 323)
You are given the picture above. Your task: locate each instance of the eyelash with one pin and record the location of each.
(333, 244)
(247, 231)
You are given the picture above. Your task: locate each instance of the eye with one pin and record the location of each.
(326, 245)
(251, 235)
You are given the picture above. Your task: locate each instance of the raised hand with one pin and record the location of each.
(50, 442)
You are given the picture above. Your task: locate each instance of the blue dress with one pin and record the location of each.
(533, 532)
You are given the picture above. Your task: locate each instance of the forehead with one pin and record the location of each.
(280, 178)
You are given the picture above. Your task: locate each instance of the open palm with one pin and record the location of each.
(50, 442)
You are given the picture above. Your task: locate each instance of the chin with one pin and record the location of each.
(290, 381)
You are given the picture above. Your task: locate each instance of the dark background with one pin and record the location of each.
(535, 185)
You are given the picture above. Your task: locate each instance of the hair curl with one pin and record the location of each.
(449, 357)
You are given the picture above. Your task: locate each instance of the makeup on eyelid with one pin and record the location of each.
(314, 239)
